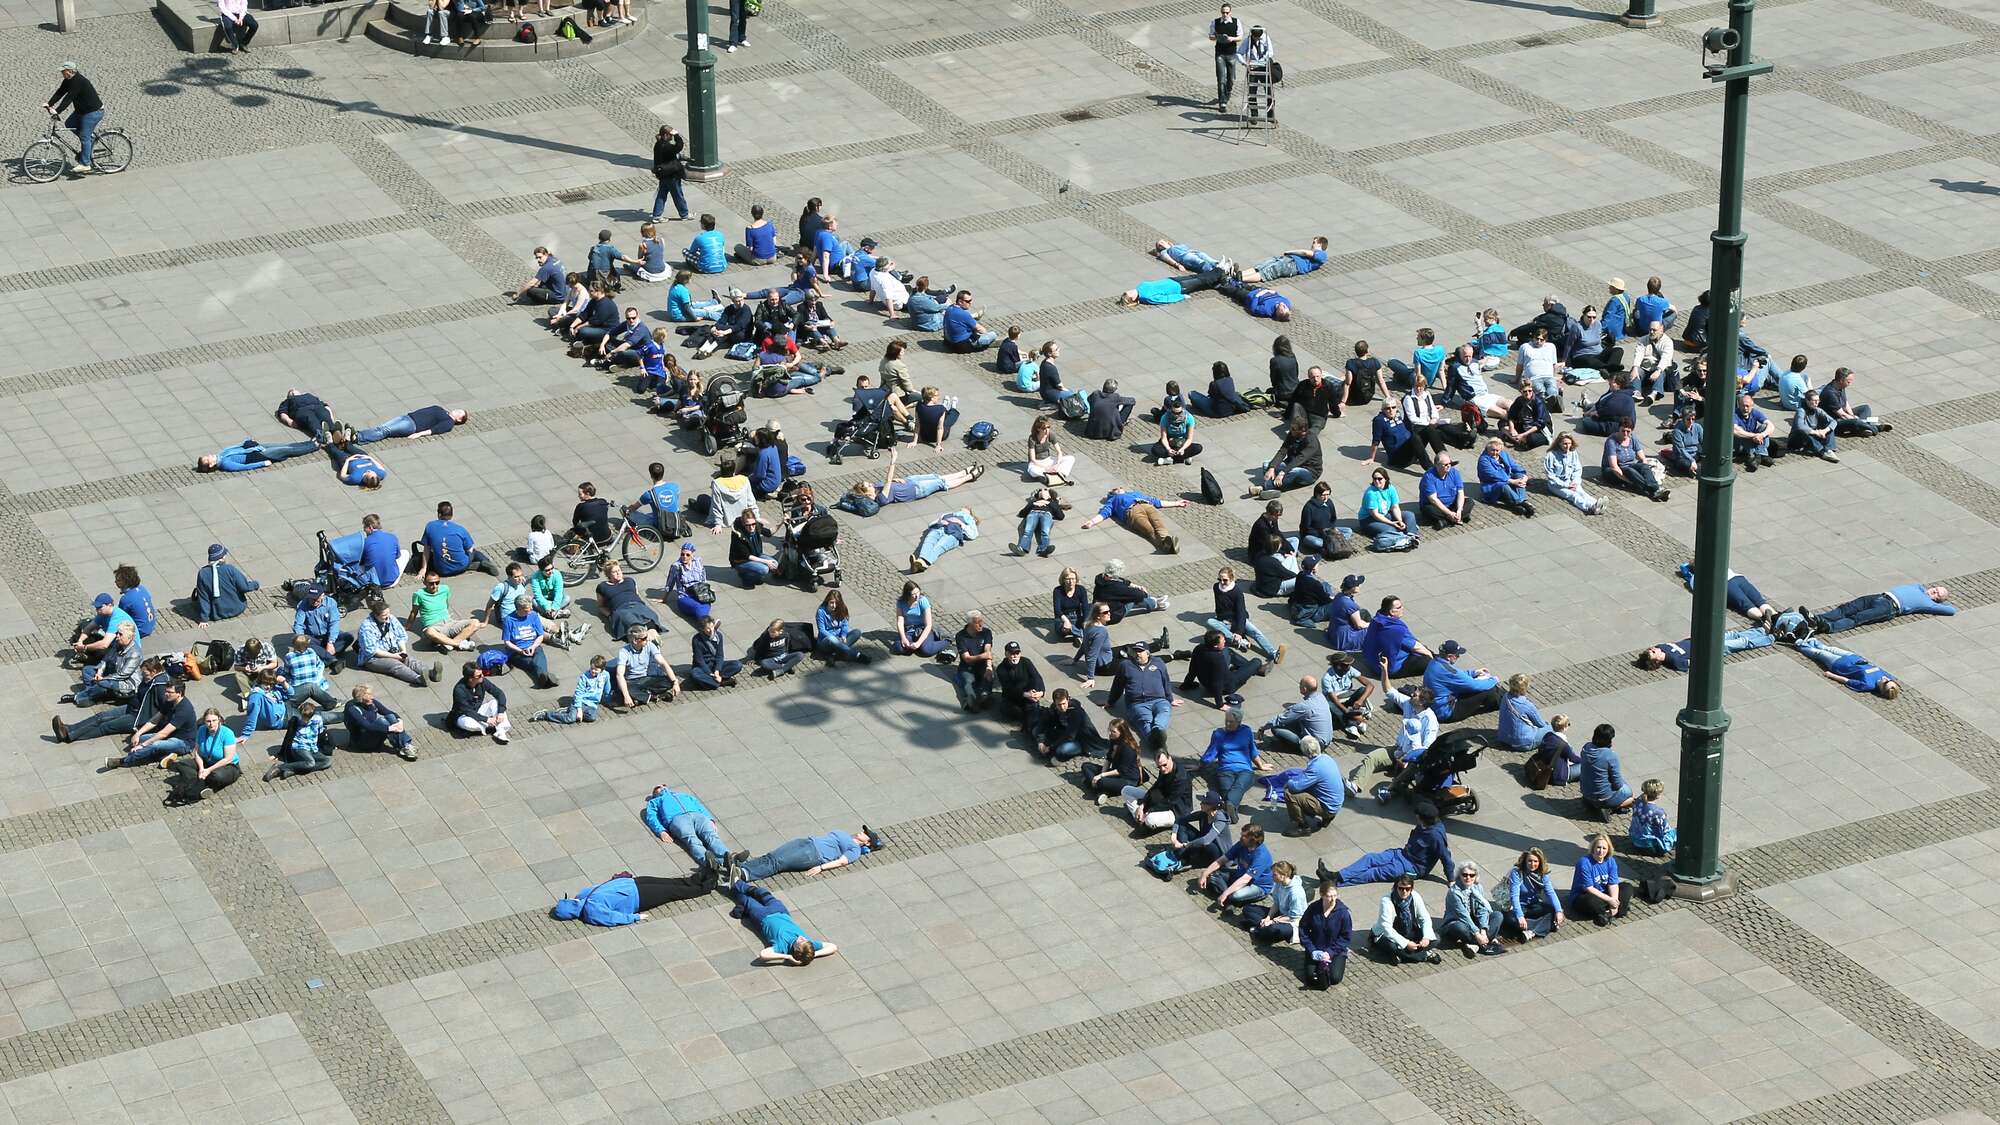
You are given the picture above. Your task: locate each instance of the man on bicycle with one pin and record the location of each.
(87, 109)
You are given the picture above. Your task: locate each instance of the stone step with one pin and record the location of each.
(499, 45)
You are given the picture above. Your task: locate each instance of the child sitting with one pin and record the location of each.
(1008, 359)
(541, 544)
(1651, 834)
(591, 687)
(264, 704)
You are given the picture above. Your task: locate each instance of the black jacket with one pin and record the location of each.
(1284, 377)
(1107, 413)
(1017, 680)
(667, 156)
(1173, 790)
(1229, 606)
(1317, 518)
(368, 727)
(465, 699)
(1214, 669)
(1301, 453)
(1074, 606)
(1317, 403)
(1223, 401)
(79, 93)
(1115, 591)
(1074, 725)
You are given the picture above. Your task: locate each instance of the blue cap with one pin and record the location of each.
(567, 910)
(102, 600)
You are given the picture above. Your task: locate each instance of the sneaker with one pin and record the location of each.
(947, 658)
(1280, 658)
(1104, 800)
(863, 658)
(1492, 949)
(205, 794)
(1830, 458)
(436, 672)
(428, 40)
(1353, 786)
(1749, 466)
(444, 42)
(1045, 552)
(1433, 957)
(500, 737)
(113, 763)
(541, 716)
(1171, 544)
(1165, 603)
(951, 402)
(731, 49)
(66, 697)
(917, 565)
(1163, 460)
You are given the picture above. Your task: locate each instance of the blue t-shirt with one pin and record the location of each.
(1445, 488)
(1257, 863)
(708, 252)
(834, 845)
(138, 605)
(1428, 360)
(521, 629)
(780, 932)
(550, 277)
(959, 324)
(1309, 262)
(448, 547)
(1265, 302)
(913, 613)
(359, 464)
(653, 358)
(828, 243)
(1164, 291)
(1648, 309)
(680, 303)
(864, 265)
(379, 553)
(1341, 633)
(1754, 421)
(655, 250)
(762, 240)
(1859, 673)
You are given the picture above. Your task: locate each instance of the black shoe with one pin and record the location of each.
(59, 728)
(1326, 876)
(66, 697)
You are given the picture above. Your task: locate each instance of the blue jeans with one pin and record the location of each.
(1234, 784)
(85, 125)
(1743, 640)
(973, 344)
(1503, 493)
(1036, 526)
(787, 295)
(117, 720)
(535, 664)
(579, 713)
(1195, 261)
(753, 573)
(1461, 933)
(754, 904)
(931, 647)
(670, 188)
(827, 644)
(1821, 653)
(792, 855)
(1296, 478)
(937, 542)
(402, 425)
(154, 751)
(1313, 614)
(1250, 630)
(1148, 715)
(696, 835)
(807, 375)
(1284, 265)
(1249, 893)
(1759, 447)
(94, 688)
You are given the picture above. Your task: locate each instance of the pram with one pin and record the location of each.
(339, 571)
(871, 430)
(1439, 773)
(724, 419)
(810, 553)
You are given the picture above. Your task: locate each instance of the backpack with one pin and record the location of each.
(859, 505)
(492, 660)
(1165, 864)
(981, 435)
(1391, 541)
(525, 33)
(1655, 889)
(218, 656)
(1211, 489)
(743, 350)
(1536, 772)
(568, 29)
(1258, 397)
(1073, 407)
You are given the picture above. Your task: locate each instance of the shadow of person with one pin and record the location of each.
(1970, 187)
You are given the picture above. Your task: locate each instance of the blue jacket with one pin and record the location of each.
(1518, 887)
(1231, 753)
(769, 472)
(219, 590)
(1601, 778)
(1521, 725)
(1386, 636)
(1146, 684)
(1426, 848)
(321, 623)
(1448, 681)
(1495, 470)
(614, 902)
(1323, 931)
(670, 804)
(379, 552)
(1321, 778)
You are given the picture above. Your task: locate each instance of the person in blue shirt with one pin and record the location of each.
(1457, 694)
(1491, 340)
(1442, 500)
(1619, 320)
(1291, 263)
(603, 261)
(652, 261)
(625, 899)
(1521, 724)
(1752, 432)
(1910, 597)
(425, 421)
(1389, 637)
(1813, 430)
(1792, 383)
(709, 252)
(1315, 794)
(814, 855)
(446, 547)
(1595, 892)
(784, 942)
(926, 308)
(1232, 752)
(1503, 483)
(1257, 300)
(1653, 308)
(1243, 874)
(250, 454)
(549, 285)
(830, 254)
(1427, 361)
(353, 466)
(317, 618)
(805, 279)
(134, 600)
(1601, 782)
(522, 634)
(381, 553)
(1140, 513)
(760, 240)
(1850, 668)
(672, 814)
(1425, 849)
(1683, 451)
(963, 332)
(1676, 656)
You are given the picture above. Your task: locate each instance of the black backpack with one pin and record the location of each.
(1211, 489)
(525, 33)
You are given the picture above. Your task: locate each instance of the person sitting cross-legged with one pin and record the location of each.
(1243, 874)
(1403, 931)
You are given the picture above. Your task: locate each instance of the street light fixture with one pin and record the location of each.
(1697, 867)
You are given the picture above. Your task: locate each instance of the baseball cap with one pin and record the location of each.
(736, 293)
(102, 600)
(1353, 581)
(310, 590)
(1013, 646)
(1212, 798)
(1452, 648)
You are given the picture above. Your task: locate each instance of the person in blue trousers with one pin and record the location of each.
(1425, 849)
(1743, 595)
(813, 855)
(784, 942)
(1677, 655)
(671, 814)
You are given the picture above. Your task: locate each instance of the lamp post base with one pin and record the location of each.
(1649, 20)
(704, 175)
(1707, 890)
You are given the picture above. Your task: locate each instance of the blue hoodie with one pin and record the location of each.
(1448, 681)
(614, 902)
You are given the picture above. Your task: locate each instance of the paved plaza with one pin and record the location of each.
(372, 944)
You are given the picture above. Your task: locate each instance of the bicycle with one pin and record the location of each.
(639, 547)
(111, 152)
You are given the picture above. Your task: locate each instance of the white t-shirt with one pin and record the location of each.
(1538, 361)
(888, 288)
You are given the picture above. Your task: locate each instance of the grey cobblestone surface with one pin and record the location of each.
(1873, 74)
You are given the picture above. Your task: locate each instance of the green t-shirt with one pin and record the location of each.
(548, 590)
(431, 608)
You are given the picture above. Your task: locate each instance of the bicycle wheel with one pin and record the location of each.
(643, 548)
(44, 160)
(575, 559)
(111, 151)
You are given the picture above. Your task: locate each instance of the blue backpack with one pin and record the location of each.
(1165, 863)
(492, 660)
(981, 435)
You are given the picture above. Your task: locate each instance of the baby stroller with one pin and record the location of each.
(870, 430)
(810, 554)
(1439, 773)
(725, 420)
(339, 571)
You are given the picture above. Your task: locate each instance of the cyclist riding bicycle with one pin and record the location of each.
(87, 109)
